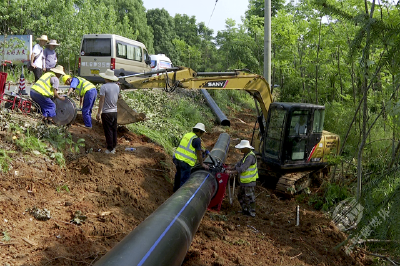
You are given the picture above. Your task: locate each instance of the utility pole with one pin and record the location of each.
(267, 42)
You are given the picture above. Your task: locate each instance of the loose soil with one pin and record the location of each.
(117, 192)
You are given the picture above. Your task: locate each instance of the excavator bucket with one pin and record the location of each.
(126, 115)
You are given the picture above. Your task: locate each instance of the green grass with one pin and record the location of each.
(6, 236)
(61, 188)
(4, 160)
(171, 115)
(168, 115)
(49, 141)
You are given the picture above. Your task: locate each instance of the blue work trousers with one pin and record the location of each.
(46, 104)
(88, 101)
(182, 174)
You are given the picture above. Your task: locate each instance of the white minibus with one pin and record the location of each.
(109, 51)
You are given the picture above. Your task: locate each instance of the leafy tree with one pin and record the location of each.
(136, 14)
(163, 28)
(186, 29)
(238, 48)
(256, 8)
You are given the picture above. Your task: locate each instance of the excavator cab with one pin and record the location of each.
(293, 132)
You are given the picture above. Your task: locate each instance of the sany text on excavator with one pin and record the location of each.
(290, 142)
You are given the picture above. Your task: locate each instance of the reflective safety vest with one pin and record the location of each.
(251, 174)
(185, 152)
(83, 86)
(43, 85)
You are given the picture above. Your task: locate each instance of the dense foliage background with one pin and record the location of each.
(339, 53)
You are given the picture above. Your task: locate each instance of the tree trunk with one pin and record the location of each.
(317, 62)
(340, 75)
(365, 104)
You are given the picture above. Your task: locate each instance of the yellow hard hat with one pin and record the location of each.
(65, 78)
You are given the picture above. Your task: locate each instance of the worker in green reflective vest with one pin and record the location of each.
(45, 89)
(188, 152)
(246, 169)
(87, 93)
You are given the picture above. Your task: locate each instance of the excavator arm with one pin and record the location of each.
(186, 78)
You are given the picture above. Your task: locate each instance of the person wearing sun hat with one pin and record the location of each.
(246, 169)
(45, 89)
(50, 55)
(87, 93)
(188, 152)
(37, 57)
(109, 93)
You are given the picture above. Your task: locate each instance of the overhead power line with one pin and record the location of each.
(212, 13)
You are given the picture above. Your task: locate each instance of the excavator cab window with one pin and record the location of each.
(298, 135)
(275, 133)
(319, 117)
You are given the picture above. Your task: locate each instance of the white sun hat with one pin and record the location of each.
(109, 74)
(200, 126)
(58, 69)
(52, 42)
(43, 38)
(244, 144)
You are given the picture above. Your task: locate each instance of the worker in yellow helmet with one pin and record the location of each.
(45, 89)
(87, 93)
(247, 170)
(188, 152)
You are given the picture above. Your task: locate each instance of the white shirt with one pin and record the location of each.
(300, 129)
(39, 62)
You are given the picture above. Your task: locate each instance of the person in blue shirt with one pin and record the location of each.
(87, 93)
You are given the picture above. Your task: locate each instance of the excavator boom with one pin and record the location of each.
(186, 78)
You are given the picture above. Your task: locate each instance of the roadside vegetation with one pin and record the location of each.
(32, 139)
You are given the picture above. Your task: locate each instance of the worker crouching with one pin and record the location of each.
(247, 171)
(45, 89)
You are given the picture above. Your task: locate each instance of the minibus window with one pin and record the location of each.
(138, 54)
(121, 50)
(153, 63)
(130, 52)
(96, 47)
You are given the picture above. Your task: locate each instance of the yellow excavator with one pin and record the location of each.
(291, 145)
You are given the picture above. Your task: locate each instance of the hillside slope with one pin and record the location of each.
(117, 192)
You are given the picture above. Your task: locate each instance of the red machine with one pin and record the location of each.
(14, 101)
(216, 201)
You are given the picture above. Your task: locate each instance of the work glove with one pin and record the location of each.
(205, 153)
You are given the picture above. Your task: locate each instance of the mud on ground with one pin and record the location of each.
(117, 192)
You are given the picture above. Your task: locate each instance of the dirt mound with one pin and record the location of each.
(98, 198)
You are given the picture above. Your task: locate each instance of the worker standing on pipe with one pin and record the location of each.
(247, 170)
(185, 156)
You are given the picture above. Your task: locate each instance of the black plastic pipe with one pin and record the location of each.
(220, 150)
(211, 74)
(164, 238)
(216, 110)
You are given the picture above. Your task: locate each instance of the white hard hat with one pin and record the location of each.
(200, 126)
(244, 144)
